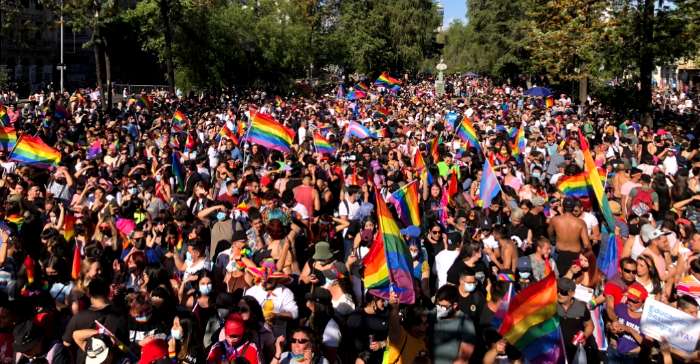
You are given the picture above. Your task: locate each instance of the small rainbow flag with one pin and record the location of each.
(406, 201)
(4, 116)
(29, 269)
(75, 267)
(532, 324)
(382, 112)
(489, 187)
(519, 144)
(358, 131)
(323, 145)
(190, 142)
(94, 150)
(466, 132)
(362, 86)
(33, 151)
(267, 132)
(180, 121)
(388, 262)
(575, 186)
(144, 101)
(549, 102)
(225, 132)
(434, 152)
(355, 94)
(8, 138)
(422, 169)
(177, 170)
(16, 219)
(385, 80)
(279, 102)
(69, 226)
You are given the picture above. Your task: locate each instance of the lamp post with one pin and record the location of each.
(61, 67)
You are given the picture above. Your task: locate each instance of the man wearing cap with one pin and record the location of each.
(657, 247)
(235, 346)
(571, 235)
(574, 318)
(626, 328)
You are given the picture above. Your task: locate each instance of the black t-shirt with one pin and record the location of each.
(472, 305)
(108, 316)
(362, 324)
(573, 319)
(459, 266)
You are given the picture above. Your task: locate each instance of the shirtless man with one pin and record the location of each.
(571, 233)
(506, 256)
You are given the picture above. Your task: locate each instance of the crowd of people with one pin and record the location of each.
(252, 255)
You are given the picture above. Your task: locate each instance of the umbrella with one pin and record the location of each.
(538, 92)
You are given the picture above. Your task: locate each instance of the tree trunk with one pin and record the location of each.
(108, 74)
(97, 49)
(646, 63)
(168, 37)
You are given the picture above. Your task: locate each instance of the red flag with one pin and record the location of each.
(75, 269)
(434, 149)
(452, 187)
(190, 143)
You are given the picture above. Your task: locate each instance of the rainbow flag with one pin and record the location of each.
(177, 170)
(434, 152)
(519, 144)
(422, 169)
(358, 131)
(489, 187)
(16, 219)
(388, 263)
(190, 142)
(689, 286)
(549, 102)
(228, 133)
(355, 94)
(382, 112)
(180, 121)
(406, 200)
(29, 269)
(452, 185)
(8, 138)
(362, 86)
(94, 150)
(75, 267)
(575, 186)
(323, 145)
(503, 306)
(532, 325)
(466, 132)
(279, 102)
(385, 80)
(69, 226)
(594, 180)
(31, 150)
(144, 101)
(267, 132)
(4, 116)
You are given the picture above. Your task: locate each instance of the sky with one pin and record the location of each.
(454, 9)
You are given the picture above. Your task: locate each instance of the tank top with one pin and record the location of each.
(304, 195)
(647, 158)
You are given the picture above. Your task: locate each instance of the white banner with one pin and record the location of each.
(679, 328)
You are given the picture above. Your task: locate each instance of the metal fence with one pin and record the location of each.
(135, 89)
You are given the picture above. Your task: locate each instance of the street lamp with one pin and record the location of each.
(61, 67)
(440, 81)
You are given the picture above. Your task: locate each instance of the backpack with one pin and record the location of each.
(643, 201)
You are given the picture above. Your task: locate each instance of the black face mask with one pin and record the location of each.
(634, 229)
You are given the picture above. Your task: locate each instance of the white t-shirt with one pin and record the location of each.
(590, 220)
(349, 209)
(443, 261)
(331, 334)
(301, 210)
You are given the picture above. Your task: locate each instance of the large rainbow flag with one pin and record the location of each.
(489, 187)
(466, 132)
(8, 138)
(532, 325)
(575, 186)
(31, 150)
(406, 201)
(267, 132)
(323, 145)
(180, 121)
(385, 80)
(388, 262)
(519, 144)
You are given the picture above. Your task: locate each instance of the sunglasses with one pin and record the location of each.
(242, 309)
(299, 341)
(563, 292)
(632, 301)
(435, 231)
(632, 271)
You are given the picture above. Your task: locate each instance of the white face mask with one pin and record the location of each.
(469, 287)
(442, 312)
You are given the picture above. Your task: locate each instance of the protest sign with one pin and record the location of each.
(679, 328)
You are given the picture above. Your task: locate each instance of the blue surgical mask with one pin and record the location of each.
(205, 289)
(133, 190)
(220, 216)
(176, 334)
(524, 275)
(469, 287)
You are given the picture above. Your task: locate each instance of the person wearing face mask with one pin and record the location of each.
(625, 346)
(471, 300)
(184, 346)
(237, 344)
(140, 322)
(421, 269)
(454, 333)
(370, 324)
(524, 270)
(222, 226)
